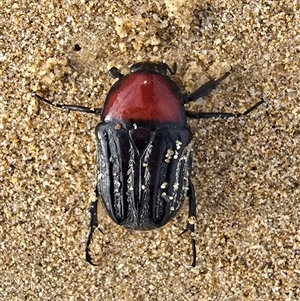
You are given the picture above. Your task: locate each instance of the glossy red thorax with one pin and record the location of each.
(144, 96)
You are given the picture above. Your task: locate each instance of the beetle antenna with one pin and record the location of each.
(115, 72)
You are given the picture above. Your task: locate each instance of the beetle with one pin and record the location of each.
(144, 148)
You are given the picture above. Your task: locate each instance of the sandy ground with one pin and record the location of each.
(245, 172)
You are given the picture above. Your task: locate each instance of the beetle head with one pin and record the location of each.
(160, 68)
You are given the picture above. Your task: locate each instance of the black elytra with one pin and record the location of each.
(144, 148)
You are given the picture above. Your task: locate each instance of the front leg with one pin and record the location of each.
(205, 89)
(96, 111)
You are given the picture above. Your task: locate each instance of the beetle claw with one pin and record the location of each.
(189, 227)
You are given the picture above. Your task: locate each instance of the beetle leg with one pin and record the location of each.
(199, 115)
(192, 214)
(93, 226)
(96, 111)
(205, 89)
(173, 69)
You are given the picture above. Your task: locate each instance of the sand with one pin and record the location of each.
(245, 170)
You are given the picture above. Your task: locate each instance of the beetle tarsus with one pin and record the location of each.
(199, 115)
(191, 225)
(191, 228)
(93, 226)
(251, 109)
(87, 249)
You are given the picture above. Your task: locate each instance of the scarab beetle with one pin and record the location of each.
(144, 148)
